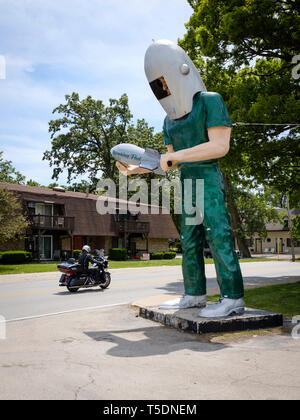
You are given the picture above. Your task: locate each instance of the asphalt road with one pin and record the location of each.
(110, 353)
(37, 295)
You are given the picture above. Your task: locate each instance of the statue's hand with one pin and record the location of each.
(168, 157)
(126, 170)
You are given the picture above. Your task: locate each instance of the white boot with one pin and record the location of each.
(223, 308)
(184, 302)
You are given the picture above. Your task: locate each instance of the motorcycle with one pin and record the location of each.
(73, 278)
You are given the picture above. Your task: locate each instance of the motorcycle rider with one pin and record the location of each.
(85, 258)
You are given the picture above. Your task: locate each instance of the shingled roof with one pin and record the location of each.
(88, 222)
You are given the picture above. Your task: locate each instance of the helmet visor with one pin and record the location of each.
(160, 88)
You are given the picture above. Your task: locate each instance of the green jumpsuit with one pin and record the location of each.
(209, 110)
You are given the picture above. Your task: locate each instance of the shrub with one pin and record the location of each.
(157, 255)
(118, 254)
(162, 255)
(169, 255)
(177, 246)
(76, 253)
(15, 257)
(174, 250)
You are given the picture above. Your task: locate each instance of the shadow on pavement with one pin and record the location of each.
(173, 287)
(152, 341)
(249, 282)
(91, 290)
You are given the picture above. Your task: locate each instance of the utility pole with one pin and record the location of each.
(290, 223)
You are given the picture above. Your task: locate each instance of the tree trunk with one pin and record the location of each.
(290, 221)
(235, 220)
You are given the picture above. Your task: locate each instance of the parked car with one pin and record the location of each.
(207, 253)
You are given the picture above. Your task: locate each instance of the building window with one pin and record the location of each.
(296, 243)
(269, 240)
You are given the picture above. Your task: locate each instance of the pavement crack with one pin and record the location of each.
(18, 365)
(80, 388)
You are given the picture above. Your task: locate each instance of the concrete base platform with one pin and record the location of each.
(189, 320)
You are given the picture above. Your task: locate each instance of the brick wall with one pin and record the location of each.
(65, 243)
(17, 245)
(107, 244)
(155, 245)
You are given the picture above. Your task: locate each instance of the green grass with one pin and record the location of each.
(151, 263)
(48, 267)
(27, 268)
(157, 263)
(282, 298)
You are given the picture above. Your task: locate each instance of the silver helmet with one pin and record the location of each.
(86, 248)
(173, 77)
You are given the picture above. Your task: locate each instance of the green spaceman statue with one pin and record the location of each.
(197, 132)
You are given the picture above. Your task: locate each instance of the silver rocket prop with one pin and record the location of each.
(131, 154)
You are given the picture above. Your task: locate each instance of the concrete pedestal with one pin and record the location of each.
(189, 320)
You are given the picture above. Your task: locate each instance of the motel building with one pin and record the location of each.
(62, 221)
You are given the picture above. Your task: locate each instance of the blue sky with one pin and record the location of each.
(93, 47)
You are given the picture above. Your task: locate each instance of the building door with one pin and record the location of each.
(258, 246)
(132, 248)
(78, 242)
(279, 245)
(46, 247)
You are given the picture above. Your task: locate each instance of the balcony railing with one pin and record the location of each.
(132, 226)
(51, 222)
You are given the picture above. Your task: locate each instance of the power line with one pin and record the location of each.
(266, 124)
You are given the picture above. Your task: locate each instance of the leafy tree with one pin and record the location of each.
(274, 197)
(82, 186)
(296, 228)
(250, 212)
(255, 213)
(12, 222)
(32, 183)
(248, 48)
(8, 173)
(83, 136)
(143, 136)
(242, 30)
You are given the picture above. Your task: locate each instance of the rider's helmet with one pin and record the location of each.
(86, 248)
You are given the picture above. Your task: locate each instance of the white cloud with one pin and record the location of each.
(94, 47)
